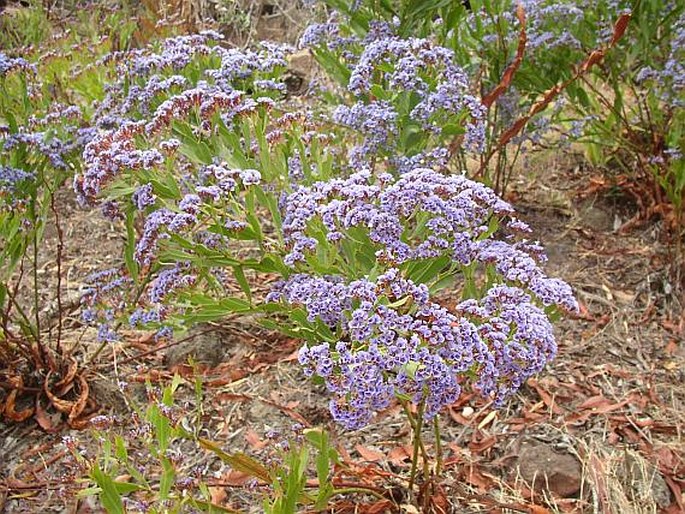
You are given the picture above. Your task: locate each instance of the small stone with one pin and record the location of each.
(642, 481)
(467, 412)
(207, 349)
(546, 469)
(302, 63)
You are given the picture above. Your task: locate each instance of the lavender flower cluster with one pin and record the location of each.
(52, 148)
(10, 178)
(176, 53)
(217, 183)
(549, 24)
(452, 216)
(239, 65)
(11, 64)
(111, 292)
(395, 341)
(111, 153)
(671, 78)
(413, 66)
(147, 75)
(392, 338)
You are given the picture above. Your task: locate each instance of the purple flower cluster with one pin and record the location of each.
(397, 342)
(217, 182)
(325, 298)
(376, 121)
(410, 61)
(319, 33)
(671, 78)
(413, 66)
(548, 24)
(241, 64)
(436, 159)
(445, 215)
(143, 96)
(108, 154)
(328, 35)
(169, 281)
(10, 178)
(455, 211)
(51, 147)
(144, 197)
(141, 317)
(103, 284)
(57, 113)
(154, 230)
(10, 64)
(176, 53)
(207, 99)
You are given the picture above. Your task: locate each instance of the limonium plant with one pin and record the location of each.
(370, 255)
(352, 224)
(409, 96)
(408, 282)
(353, 208)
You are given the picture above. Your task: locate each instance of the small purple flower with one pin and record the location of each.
(250, 177)
(169, 281)
(144, 197)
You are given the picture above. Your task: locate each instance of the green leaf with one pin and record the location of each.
(205, 309)
(130, 247)
(428, 270)
(453, 129)
(167, 479)
(380, 93)
(239, 274)
(109, 496)
(162, 427)
(333, 66)
(197, 151)
(238, 461)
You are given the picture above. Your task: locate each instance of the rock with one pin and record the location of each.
(208, 349)
(596, 217)
(108, 395)
(546, 469)
(302, 63)
(300, 72)
(642, 481)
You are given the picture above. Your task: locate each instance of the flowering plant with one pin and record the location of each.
(627, 112)
(41, 138)
(368, 254)
(194, 170)
(410, 96)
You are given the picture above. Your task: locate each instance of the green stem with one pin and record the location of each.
(416, 425)
(27, 321)
(438, 446)
(36, 297)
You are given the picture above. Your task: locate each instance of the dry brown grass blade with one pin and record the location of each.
(69, 376)
(43, 419)
(61, 405)
(508, 75)
(80, 403)
(10, 408)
